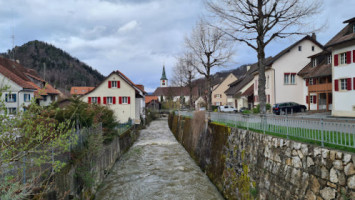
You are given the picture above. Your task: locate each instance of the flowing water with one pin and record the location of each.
(157, 167)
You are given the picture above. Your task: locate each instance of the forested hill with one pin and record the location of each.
(62, 70)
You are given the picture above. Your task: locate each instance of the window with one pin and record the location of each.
(11, 111)
(114, 84)
(312, 48)
(218, 96)
(109, 100)
(343, 58)
(45, 98)
(343, 84)
(267, 81)
(218, 103)
(293, 79)
(10, 97)
(26, 97)
(329, 59)
(311, 99)
(94, 100)
(311, 81)
(124, 100)
(287, 78)
(314, 62)
(299, 48)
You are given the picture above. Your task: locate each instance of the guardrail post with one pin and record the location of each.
(287, 126)
(322, 132)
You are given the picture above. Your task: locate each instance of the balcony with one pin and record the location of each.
(326, 87)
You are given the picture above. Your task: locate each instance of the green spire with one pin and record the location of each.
(163, 76)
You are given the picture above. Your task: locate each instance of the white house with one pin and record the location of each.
(120, 94)
(23, 85)
(282, 82)
(343, 70)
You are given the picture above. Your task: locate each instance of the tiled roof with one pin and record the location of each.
(345, 35)
(20, 75)
(80, 90)
(272, 60)
(319, 71)
(124, 77)
(242, 81)
(150, 98)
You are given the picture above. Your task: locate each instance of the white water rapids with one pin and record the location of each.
(157, 167)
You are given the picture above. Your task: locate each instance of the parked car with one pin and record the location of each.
(242, 109)
(288, 107)
(227, 108)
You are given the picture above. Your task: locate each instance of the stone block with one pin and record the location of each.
(296, 145)
(333, 176)
(310, 195)
(332, 155)
(351, 182)
(341, 178)
(324, 173)
(300, 154)
(317, 151)
(325, 153)
(332, 185)
(309, 161)
(339, 155)
(338, 164)
(328, 193)
(347, 158)
(349, 169)
(296, 162)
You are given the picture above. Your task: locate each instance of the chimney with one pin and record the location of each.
(314, 36)
(141, 87)
(248, 67)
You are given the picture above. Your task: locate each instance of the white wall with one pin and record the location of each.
(14, 89)
(122, 111)
(343, 101)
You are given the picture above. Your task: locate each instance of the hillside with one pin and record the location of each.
(62, 70)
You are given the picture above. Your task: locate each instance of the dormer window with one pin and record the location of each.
(314, 62)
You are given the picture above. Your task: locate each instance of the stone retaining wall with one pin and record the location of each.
(248, 165)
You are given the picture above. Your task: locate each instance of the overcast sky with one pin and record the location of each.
(134, 36)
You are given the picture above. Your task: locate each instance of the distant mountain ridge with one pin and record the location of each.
(62, 70)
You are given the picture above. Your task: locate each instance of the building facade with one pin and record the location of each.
(343, 70)
(219, 98)
(121, 95)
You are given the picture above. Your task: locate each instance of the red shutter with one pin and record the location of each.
(348, 57)
(307, 99)
(104, 100)
(307, 82)
(109, 84)
(314, 81)
(336, 60)
(120, 100)
(349, 84)
(315, 99)
(89, 99)
(336, 85)
(118, 84)
(353, 56)
(114, 100)
(129, 100)
(98, 100)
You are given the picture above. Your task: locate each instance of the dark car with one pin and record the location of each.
(288, 107)
(242, 109)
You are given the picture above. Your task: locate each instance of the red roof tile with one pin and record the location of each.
(80, 90)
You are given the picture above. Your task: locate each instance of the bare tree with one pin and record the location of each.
(258, 22)
(185, 73)
(208, 49)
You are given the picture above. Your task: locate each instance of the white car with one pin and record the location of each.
(227, 108)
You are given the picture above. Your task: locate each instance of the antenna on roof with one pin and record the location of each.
(13, 36)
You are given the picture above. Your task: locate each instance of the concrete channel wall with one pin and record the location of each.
(248, 165)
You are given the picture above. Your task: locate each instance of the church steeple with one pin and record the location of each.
(163, 79)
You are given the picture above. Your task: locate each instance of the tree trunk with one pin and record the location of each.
(261, 81)
(190, 87)
(209, 94)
